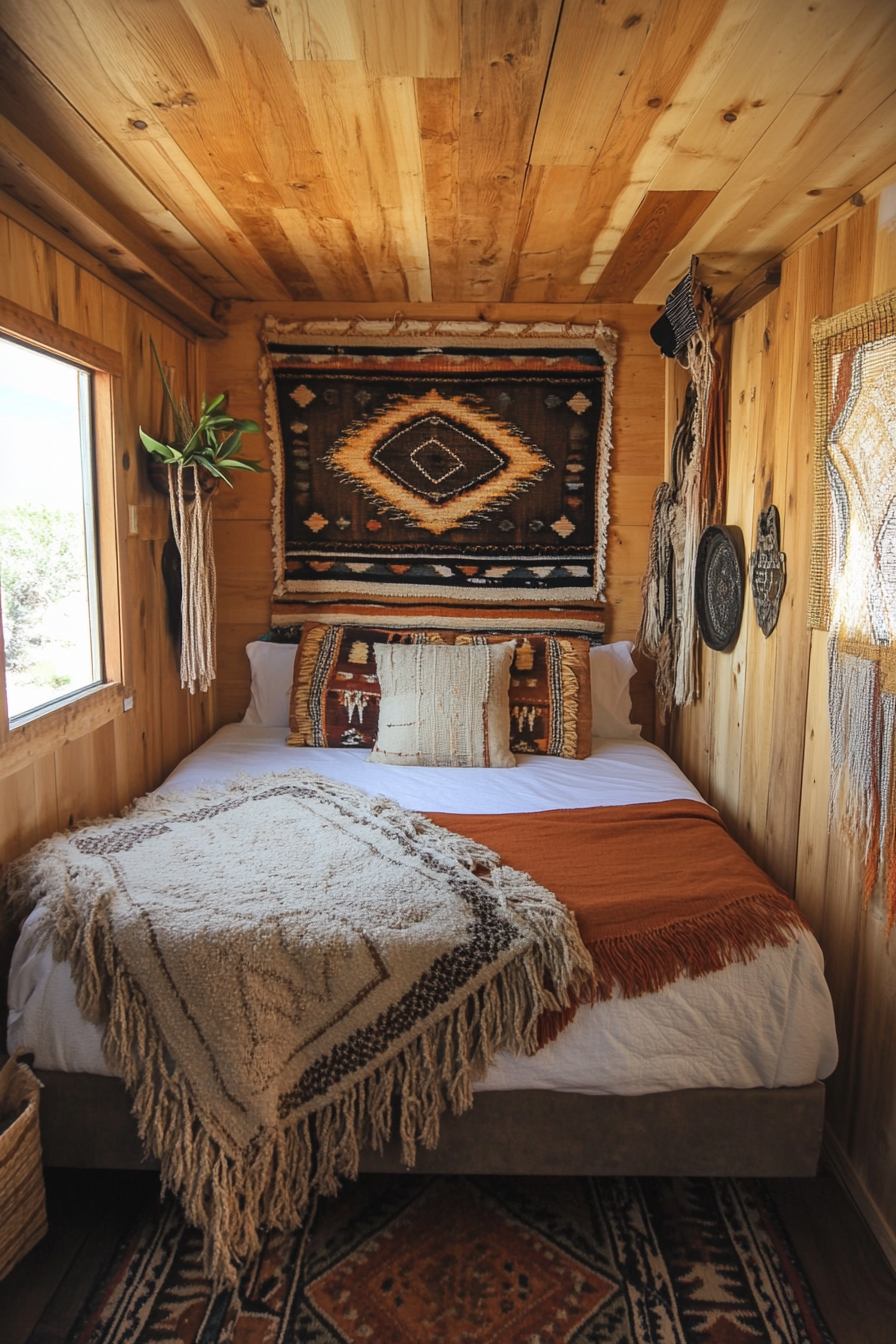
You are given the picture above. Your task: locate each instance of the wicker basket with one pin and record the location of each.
(23, 1213)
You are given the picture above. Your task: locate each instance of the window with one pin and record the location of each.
(63, 519)
(48, 554)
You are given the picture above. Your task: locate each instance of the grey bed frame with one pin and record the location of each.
(86, 1121)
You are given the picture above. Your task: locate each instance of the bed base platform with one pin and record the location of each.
(86, 1122)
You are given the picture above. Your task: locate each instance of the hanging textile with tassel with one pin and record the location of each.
(691, 498)
(852, 591)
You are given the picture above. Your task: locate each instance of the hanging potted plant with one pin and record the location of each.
(201, 454)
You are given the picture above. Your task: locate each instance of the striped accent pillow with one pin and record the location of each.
(335, 697)
(550, 694)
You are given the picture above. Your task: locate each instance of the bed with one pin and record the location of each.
(709, 1076)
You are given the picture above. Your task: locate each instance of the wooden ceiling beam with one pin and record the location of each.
(76, 69)
(47, 189)
(767, 277)
(41, 112)
(757, 286)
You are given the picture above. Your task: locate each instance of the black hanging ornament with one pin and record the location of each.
(719, 586)
(768, 574)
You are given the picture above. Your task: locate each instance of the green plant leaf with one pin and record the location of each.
(213, 470)
(188, 452)
(244, 464)
(229, 445)
(163, 450)
(212, 404)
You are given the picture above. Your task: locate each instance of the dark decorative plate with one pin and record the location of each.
(719, 586)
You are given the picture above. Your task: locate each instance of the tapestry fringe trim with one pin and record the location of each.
(408, 616)
(413, 332)
(862, 805)
(271, 1184)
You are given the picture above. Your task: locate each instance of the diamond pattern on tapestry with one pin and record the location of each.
(435, 461)
(451, 460)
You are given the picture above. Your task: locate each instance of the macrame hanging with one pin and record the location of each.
(692, 498)
(191, 521)
(188, 462)
(191, 526)
(853, 576)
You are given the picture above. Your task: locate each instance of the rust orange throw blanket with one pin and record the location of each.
(659, 890)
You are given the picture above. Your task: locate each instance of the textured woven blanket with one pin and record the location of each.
(659, 890)
(283, 965)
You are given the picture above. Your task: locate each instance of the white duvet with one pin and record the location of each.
(768, 1023)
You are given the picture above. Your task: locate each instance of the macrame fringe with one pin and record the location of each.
(192, 526)
(681, 509)
(232, 1196)
(863, 740)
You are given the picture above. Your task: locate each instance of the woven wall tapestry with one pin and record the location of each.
(457, 460)
(853, 577)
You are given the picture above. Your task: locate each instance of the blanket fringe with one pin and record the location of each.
(232, 1196)
(642, 963)
(646, 962)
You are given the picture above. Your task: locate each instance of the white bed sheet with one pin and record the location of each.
(768, 1023)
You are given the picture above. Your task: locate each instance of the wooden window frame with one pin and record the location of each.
(97, 705)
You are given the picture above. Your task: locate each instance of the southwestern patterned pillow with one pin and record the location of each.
(550, 694)
(336, 691)
(335, 699)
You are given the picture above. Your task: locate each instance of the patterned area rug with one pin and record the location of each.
(484, 1260)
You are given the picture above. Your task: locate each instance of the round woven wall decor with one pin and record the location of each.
(719, 586)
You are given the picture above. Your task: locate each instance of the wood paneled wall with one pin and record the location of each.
(100, 771)
(757, 743)
(243, 516)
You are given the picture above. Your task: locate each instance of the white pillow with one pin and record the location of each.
(444, 705)
(611, 702)
(271, 666)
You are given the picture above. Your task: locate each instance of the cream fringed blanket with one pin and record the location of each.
(279, 961)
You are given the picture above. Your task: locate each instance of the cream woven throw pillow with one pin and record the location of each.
(444, 705)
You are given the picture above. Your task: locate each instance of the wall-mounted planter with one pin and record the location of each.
(158, 478)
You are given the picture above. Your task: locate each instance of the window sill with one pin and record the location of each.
(30, 741)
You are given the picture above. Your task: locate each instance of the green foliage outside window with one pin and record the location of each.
(41, 564)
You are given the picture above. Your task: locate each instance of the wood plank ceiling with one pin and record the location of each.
(415, 150)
